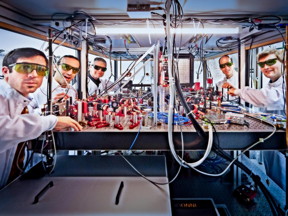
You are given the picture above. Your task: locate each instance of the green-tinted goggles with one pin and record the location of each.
(229, 64)
(67, 67)
(269, 62)
(26, 68)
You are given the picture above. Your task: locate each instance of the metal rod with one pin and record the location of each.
(50, 76)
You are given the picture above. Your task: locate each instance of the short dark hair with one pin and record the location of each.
(69, 56)
(26, 52)
(226, 57)
(100, 59)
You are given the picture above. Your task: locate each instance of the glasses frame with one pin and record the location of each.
(229, 64)
(74, 70)
(268, 62)
(35, 67)
(96, 67)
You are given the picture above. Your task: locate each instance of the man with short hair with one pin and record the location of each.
(67, 68)
(228, 69)
(271, 99)
(95, 82)
(23, 71)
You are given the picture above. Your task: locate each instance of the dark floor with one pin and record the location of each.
(191, 184)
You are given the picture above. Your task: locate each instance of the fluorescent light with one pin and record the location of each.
(234, 30)
(155, 31)
(119, 30)
(139, 14)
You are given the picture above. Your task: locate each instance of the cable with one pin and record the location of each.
(55, 153)
(49, 138)
(207, 151)
(134, 141)
(257, 180)
(160, 183)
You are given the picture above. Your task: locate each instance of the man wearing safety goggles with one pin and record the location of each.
(271, 96)
(270, 99)
(230, 75)
(67, 68)
(95, 82)
(23, 71)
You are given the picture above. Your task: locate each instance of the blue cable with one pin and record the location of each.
(136, 136)
(178, 119)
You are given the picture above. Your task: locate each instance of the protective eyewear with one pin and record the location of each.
(229, 64)
(67, 67)
(96, 67)
(26, 68)
(269, 62)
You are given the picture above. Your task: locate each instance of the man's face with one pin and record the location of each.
(96, 70)
(273, 72)
(25, 83)
(226, 69)
(68, 67)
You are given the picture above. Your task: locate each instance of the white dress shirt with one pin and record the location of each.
(232, 80)
(270, 97)
(94, 89)
(16, 128)
(40, 95)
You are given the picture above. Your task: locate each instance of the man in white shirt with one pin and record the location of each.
(270, 96)
(271, 99)
(230, 75)
(67, 68)
(95, 82)
(23, 71)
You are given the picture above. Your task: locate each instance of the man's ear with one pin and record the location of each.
(5, 70)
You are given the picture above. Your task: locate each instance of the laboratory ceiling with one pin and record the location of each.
(258, 21)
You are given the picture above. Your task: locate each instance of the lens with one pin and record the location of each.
(96, 67)
(269, 62)
(75, 70)
(41, 71)
(229, 64)
(67, 67)
(26, 68)
(261, 64)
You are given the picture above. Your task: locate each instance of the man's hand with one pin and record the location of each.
(227, 85)
(231, 91)
(62, 96)
(230, 87)
(67, 122)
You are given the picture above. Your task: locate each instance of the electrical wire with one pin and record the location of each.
(275, 210)
(207, 151)
(136, 137)
(160, 183)
(49, 139)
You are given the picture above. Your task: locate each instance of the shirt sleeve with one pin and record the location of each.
(260, 97)
(23, 127)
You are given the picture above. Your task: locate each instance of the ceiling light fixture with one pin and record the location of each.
(157, 31)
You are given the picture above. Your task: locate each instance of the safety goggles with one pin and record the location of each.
(269, 62)
(67, 67)
(96, 67)
(229, 64)
(26, 68)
